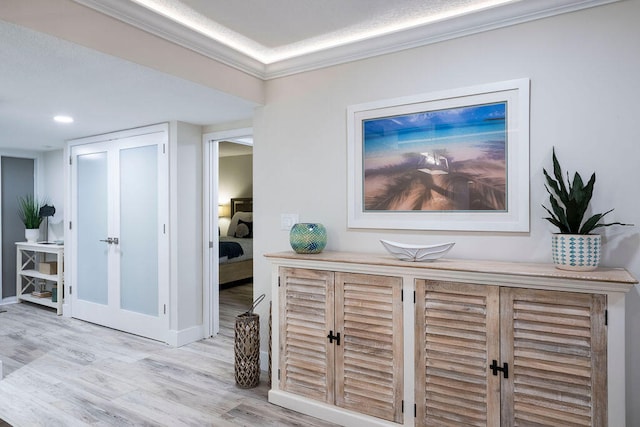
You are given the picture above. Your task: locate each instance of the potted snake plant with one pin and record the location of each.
(29, 213)
(575, 247)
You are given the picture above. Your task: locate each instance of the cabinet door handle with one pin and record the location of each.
(495, 368)
(334, 337)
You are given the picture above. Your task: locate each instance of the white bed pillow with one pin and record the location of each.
(245, 216)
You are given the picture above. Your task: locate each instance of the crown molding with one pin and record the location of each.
(140, 17)
(472, 23)
(490, 19)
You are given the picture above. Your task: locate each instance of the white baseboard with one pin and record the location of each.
(185, 336)
(8, 300)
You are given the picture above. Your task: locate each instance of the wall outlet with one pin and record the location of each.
(287, 221)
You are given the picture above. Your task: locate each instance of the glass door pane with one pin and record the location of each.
(92, 227)
(139, 229)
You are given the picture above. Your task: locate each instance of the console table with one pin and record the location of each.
(28, 276)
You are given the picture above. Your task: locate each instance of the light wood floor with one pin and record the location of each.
(65, 372)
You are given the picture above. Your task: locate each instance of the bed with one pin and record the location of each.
(236, 248)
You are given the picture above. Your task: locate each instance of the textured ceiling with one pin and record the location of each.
(274, 38)
(270, 23)
(272, 31)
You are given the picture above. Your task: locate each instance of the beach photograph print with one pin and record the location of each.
(452, 159)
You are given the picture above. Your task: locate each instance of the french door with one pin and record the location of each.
(120, 276)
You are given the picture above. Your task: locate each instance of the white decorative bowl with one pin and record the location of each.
(407, 252)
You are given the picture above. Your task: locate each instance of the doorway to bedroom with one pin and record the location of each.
(229, 209)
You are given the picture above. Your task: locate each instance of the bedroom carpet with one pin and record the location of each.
(65, 372)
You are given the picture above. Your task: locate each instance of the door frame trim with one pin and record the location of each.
(210, 286)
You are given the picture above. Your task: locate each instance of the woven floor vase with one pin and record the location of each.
(577, 252)
(247, 350)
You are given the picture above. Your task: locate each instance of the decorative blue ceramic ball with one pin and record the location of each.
(308, 238)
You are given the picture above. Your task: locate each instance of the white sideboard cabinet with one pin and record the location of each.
(365, 339)
(341, 339)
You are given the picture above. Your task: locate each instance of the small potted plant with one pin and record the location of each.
(29, 213)
(575, 247)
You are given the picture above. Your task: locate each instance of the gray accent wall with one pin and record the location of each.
(17, 178)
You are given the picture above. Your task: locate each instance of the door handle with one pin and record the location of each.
(111, 240)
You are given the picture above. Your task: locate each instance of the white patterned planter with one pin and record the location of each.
(577, 252)
(32, 234)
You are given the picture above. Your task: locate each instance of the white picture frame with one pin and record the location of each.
(384, 127)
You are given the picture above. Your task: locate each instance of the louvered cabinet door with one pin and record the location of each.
(457, 337)
(555, 343)
(369, 358)
(306, 316)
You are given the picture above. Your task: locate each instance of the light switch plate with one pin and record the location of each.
(287, 221)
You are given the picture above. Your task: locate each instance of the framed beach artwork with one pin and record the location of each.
(451, 160)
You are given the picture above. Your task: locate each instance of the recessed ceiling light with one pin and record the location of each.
(63, 119)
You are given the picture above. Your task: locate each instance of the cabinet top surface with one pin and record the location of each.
(40, 246)
(524, 269)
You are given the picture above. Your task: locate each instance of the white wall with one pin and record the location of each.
(584, 70)
(79, 24)
(219, 127)
(235, 180)
(52, 186)
(186, 224)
